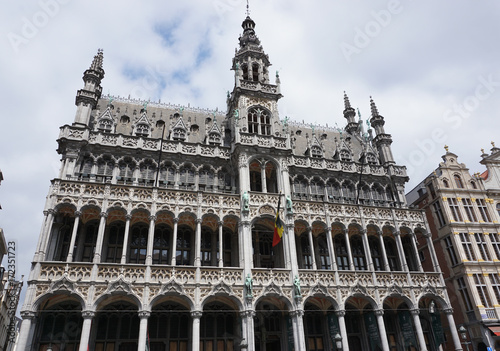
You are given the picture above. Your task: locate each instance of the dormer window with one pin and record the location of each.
(179, 134)
(255, 72)
(259, 121)
(371, 159)
(214, 139)
(316, 151)
(105, 125)
(142, 130)
(345, 155)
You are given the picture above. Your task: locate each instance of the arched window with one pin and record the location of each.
(473, 184)
(498, 208)
(264, 255)
(392, 254)
(105, 166)
(209, 247)
(167, 175)
(62, 229)
(229, 256)
(304, 252)
(117, 324)
(317, 189)
(225, 181)
(445, 183)
(271, 178)
(244, 68)
(341, 252)
(183, 246)
(376, 253)
(142, 130)
(147, 170)
(86, 167)
(161, 244)
(59, 327)
(169, 325)
(378, 194)
(255, 176)
(371, 159)
(138, 243)
(348, 193)
(259, 121)
(206, 179)
(218, 331)
(333, 191)
(358, 253)
(124, 119)
(364, 194)
(186, 178)
(114, 243)
(88, 241)
(458, 181)
(255, 72)
(411, 258)
(300, 188)
(126, 167)
(323, 255)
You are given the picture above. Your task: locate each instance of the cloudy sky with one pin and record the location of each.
(432, 68)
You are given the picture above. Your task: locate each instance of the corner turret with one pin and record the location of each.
(382, 140)
(86, 98)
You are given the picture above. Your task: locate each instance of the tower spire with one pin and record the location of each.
(382, 140)
(86, 98)
(373, 108)
(349, 114)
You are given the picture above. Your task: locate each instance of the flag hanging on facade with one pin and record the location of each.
(278, 226)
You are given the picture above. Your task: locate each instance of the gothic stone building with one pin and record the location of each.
(158, 231)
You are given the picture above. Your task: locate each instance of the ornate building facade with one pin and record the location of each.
(159, 229)
(465, 229)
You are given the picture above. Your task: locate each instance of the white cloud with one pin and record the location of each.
(426, 59)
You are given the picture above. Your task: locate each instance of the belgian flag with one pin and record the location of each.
(278, 226)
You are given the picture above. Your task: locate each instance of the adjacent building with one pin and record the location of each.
(158, 231)
(464, 221)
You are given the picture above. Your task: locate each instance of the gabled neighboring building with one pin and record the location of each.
(466, 234)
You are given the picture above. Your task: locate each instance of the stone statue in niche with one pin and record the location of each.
(289, 205)
(248, 285)
(246, 201)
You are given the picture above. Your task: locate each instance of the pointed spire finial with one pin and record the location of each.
(446, 148)
(248, 9)
(373, 107)
(97, 62)
(347, 103)
(493, 143)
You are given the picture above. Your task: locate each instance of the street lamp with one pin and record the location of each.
(338, 341)
(463, 334)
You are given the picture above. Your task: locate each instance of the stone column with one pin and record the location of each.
(401, 252)
(311, 247)
(300, 337)
(343, 329)
(432, 251)
(245, 247)
(196, 315)
(143, 330)
(384, 253)
(100, 238)
(366, 246)
(45, 235)
(174, 241)
(221, 246)
(331, 250)
(381, 328)
(24, 331)
(197, 240)
(128, 217)
(73, 236)
(453, 328)
(249, 332)
(87, 324)
(415, 250)
(263, 175)
(418, 328)
(349, 252)
(151, 237)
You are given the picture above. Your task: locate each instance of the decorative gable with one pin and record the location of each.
(179, 130)
(142, 127)
(105, 122)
